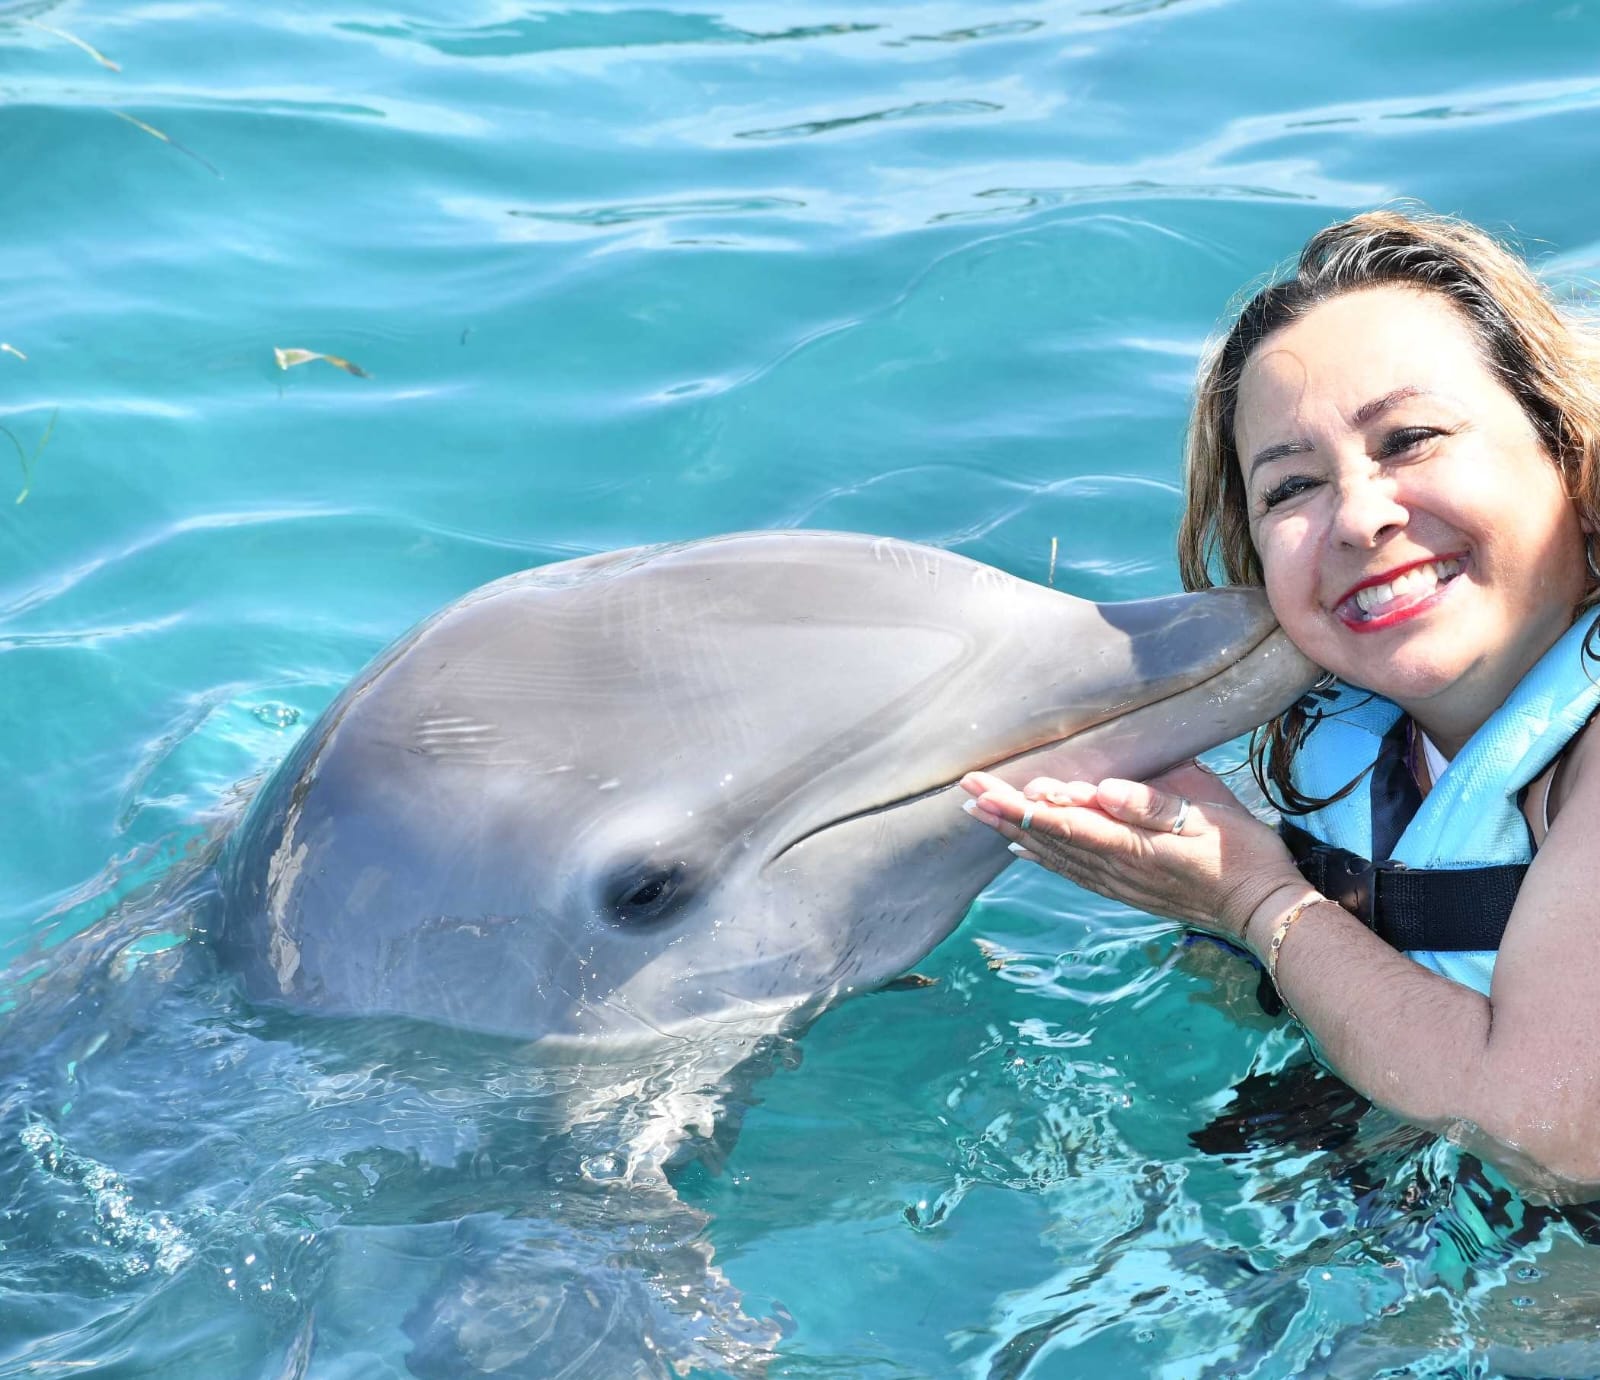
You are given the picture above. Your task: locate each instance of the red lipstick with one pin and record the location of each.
(1402, 608)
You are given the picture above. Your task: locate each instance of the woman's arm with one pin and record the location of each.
(1514, 1076)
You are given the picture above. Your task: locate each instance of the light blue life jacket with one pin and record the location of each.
(1471, 817)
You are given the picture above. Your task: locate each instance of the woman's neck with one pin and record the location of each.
(1445, 744)
(1424, 761)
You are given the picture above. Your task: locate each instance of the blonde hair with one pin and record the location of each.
(1546, 359)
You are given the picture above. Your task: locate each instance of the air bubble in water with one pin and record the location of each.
(603, 1168)
(275, 715)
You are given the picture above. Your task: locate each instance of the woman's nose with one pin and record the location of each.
(1368, 510)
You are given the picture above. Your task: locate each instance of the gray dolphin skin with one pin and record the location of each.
(647, 810)
(712, 785)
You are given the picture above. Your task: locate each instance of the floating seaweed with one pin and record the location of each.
(165, 138)
(73, 39)
(287, 359)
(29, 461)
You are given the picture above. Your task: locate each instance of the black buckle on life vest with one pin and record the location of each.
(1356, 882)
(1445, 909)
(1340, 875)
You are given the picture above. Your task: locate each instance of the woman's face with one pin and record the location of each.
(1414, 536)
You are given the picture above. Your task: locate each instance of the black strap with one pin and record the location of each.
(1448, 909)
(1394, 794)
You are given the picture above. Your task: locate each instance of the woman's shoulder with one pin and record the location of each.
(1571, 782)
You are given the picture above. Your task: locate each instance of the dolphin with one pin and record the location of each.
(662, 803)
(620, 798)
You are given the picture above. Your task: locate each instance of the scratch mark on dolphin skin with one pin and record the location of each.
(283, 870)
(987, 578)
(457, 736)
(886, 548)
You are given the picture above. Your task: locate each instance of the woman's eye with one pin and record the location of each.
(1291, 487)
(1408, 438)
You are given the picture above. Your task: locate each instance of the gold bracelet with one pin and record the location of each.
(1278, 935)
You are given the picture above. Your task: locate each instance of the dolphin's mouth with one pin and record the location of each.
(1136, 739)
(868, 812)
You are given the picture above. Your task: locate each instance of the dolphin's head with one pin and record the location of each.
(662, 792)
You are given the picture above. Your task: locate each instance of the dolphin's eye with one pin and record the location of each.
(646, 895)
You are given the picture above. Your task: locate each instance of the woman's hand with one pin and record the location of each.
(1117, 838)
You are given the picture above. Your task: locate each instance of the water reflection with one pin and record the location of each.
(557, 30)
(918, 110)
(627, 213)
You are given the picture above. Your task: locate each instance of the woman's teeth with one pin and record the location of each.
(1413, 584)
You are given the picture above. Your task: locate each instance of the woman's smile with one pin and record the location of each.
(1382, 601)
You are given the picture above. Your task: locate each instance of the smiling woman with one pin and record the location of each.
(1430, 511)
(1399, 440)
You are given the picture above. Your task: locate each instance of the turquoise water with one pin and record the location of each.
(616, 275)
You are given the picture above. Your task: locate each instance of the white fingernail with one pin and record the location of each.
(1018, 849)
(970, 806)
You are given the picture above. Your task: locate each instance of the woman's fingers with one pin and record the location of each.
(999, 797)
(994, 801)
(1052, 792)
(1197, 782)
(1180, 845)
(1043, 806)
(1096, 816)
(1158, 811)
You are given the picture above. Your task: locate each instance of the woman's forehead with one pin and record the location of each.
(1346, 354)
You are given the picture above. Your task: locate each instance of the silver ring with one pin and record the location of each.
(1027, 817)
(1183, 815)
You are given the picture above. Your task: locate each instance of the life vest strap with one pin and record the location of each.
(1433, 908)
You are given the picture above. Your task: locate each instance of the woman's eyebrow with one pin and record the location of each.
(1368, 410)
(1363, 414)
(1267, 454)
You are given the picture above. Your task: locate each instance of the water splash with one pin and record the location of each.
(146, 1240)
